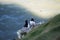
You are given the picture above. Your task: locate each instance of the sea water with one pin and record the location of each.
(12, 18)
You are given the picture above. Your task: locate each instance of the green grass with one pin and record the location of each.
(47, 31)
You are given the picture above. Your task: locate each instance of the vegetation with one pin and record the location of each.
(47, 31)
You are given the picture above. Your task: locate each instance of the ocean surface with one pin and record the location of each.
(12, 18)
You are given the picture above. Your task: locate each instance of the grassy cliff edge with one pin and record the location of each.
(47, 31)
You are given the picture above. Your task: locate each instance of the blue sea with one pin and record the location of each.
(12, 18)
